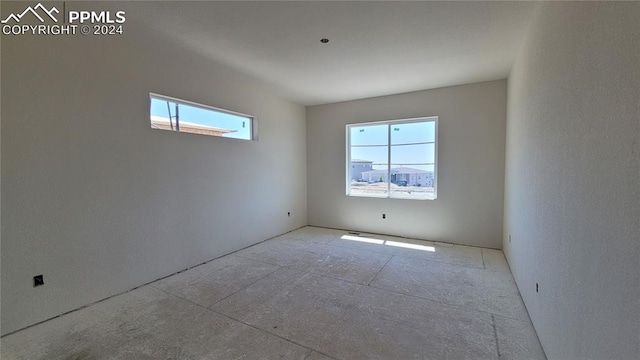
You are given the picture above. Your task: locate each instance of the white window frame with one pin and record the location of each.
(253, 123)
(390, 123)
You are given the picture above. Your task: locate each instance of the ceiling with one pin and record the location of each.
(375, 48)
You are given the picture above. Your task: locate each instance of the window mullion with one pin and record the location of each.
(389, 160)
(348, 135)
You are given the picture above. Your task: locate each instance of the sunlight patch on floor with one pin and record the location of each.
(362, 239)
(388, 243)
(410, 246)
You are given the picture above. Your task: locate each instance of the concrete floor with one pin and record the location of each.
(310, 294)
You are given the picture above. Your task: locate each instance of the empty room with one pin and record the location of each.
(320, 180)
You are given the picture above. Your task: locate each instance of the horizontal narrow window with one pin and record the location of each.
(172, 114)
(393, 159)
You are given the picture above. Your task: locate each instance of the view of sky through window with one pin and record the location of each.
(369, 142)
(198, 119)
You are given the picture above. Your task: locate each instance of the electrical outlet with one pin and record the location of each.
(38, 280)
(384, 216)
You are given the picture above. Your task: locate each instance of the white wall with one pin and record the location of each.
(572, 179)
(97, 201)
(471, 145)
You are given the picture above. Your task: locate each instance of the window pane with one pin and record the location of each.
(415, 132)
(410, 184)
(412, 155)
(368, 163)
(413, 159)
(169, 114)
(376, 155)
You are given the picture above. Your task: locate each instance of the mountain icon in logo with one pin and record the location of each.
(34, 11)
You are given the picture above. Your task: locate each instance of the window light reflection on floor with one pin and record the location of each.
(362, 239)
(388, 243)
(410, 246)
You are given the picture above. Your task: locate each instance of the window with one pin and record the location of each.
(393, 159)
(171, 114)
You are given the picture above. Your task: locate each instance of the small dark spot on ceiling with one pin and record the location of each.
(324, 40)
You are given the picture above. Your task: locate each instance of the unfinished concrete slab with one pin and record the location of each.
(342, 263)
(435, 251)
(489, 291)
(146, 323)
(208, 283)
(317, 356)
(352, 321)
(494, 260)
(314, 234)
(305, 296)
(517, 339)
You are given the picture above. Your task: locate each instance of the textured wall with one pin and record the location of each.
(572, 178)
(97, 201)
(471, 140)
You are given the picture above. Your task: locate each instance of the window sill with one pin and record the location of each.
(393, 197)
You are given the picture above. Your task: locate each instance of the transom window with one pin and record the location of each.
(393, 159)
(172, 114)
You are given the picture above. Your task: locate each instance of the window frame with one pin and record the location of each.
(253, 123)
(390, 123)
